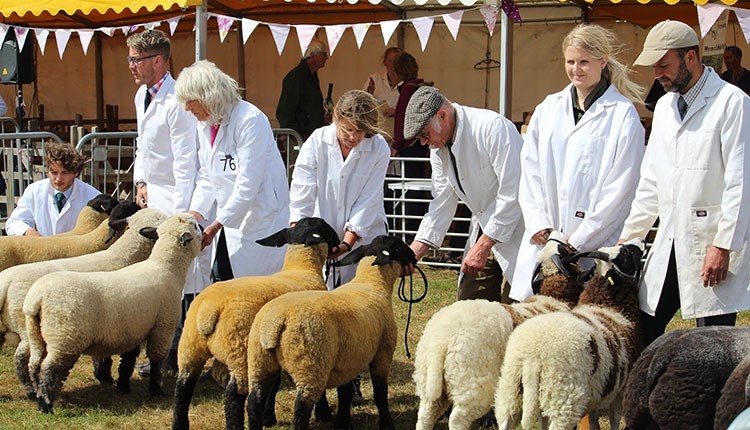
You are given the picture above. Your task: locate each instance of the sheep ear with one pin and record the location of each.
(587, 275)
(277, 239)
(352, 257)
(185, 239)
(118, 224)
(149, 233)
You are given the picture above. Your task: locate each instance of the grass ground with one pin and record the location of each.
(87, 405)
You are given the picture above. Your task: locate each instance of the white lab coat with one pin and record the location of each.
(577, 178)
(347, 194)
(37, 209)
(166, 157)
(487, 148)
(243, 174)
(696, 179)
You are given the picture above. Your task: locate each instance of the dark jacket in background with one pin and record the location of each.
(301, 102)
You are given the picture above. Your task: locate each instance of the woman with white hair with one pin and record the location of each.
(241, 171)
(581, 155)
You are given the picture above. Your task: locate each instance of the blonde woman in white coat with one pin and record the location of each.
(241, 171)
(581, 155)
(339, 175)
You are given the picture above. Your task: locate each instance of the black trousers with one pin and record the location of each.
(221, 270)
(669, 303)
(489, 284)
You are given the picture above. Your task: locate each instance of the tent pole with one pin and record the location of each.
(506, 65)
(201, 18)
(99, 70)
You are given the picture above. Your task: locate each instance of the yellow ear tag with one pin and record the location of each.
(611, 282)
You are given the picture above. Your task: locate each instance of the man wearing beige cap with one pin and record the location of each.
(475, 157)
(694, 179)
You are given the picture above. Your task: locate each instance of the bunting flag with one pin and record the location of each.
(248, 26)
(279, 32)
(62, 37)
(453, 21)
(334, 33)
(387, 28)
(424, 28)
(225, 24)
(489, 13)
(709, 13)
(360, 30)
(85, 37)
(21, 34)
(41, 38)
(305, 34)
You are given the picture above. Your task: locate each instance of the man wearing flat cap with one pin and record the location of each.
(475, 157)
(694, 179)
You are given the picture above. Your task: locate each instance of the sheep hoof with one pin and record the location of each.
(157, 392)
(123, 388)
(44, 406)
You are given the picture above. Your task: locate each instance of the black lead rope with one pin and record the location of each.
(330, 271)
(410, 300)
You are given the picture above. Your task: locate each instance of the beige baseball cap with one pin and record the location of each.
(664, 36)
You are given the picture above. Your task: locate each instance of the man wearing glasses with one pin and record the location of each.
(475, 157)
(166, 154)
(301, 102)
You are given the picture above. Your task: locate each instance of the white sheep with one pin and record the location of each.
(15, 250)
(462, 347)
(562, 365)
(677, 380)
(324, 339)
(16, 281)
(106, 313)
(219, 319)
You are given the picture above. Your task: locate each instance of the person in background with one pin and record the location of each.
(51, 206)
(735, 73)
(695, 180)
(581, 154)
(166, 157)
(241, 174)
(339, 177)
(3, 107)
(301, 101)
(474, 155)
(383, 85)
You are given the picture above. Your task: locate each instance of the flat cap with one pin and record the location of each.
(664, 36)
(422, 106)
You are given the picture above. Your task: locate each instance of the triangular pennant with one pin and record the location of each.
(743, 16)
(225, 24)
(387, 28)
(85, 36)
(305, 34)
(41, 38)
(360, 30)
(279, 33)
(424, 28)
(248, 26)
(109, 31)
(173, 24)
(62, 37)
(3, 32)
(707, 16)
(511, 9)
(21, 33)
(334, 33)
(453, 22)
(489, 13)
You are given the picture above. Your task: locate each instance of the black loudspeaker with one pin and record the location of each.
(17, 67)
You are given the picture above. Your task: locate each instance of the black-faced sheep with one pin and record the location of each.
(15, 250)
(131, 248)
(95, 211)
(462, 347)
(677, 381)
(324, 339)
(220, 317)
(106, 313)
(562, 365)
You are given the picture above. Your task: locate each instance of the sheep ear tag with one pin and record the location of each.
(384, 257)
(186, 238)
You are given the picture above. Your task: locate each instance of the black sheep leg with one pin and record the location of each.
(233, 406)
(183, 393)
(125, 370)
(344, 412)
(103, 370)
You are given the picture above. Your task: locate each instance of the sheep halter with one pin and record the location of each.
(410, 300)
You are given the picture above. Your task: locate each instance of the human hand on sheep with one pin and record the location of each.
(475, 260)
(715, 266)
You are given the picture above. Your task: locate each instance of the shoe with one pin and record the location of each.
(357, 399)
(144, 370)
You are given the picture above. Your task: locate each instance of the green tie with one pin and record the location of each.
(60, 201)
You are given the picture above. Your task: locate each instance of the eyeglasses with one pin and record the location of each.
(425, 133)
(137, 60)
